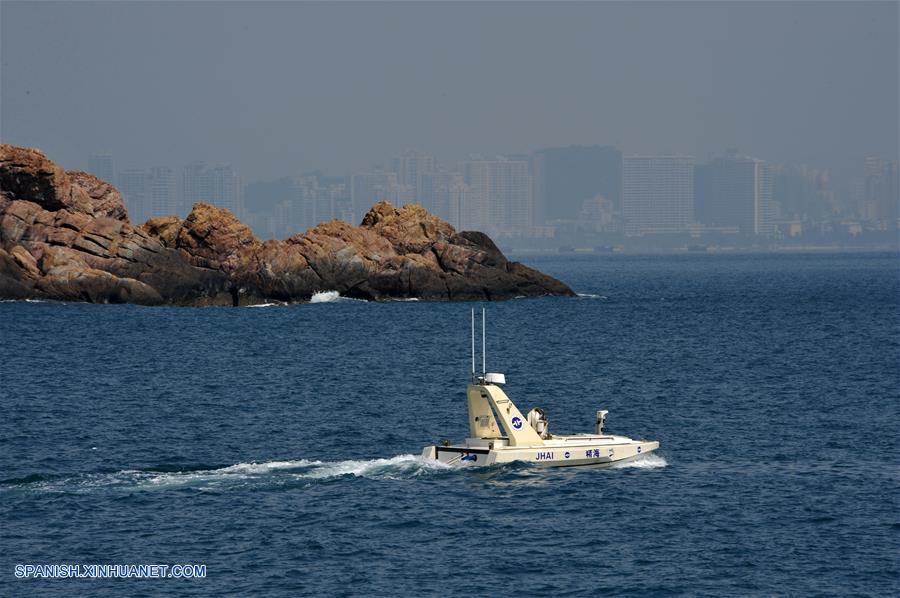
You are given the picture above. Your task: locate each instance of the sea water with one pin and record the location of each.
(279, 445)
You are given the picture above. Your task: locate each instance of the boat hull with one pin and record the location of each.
(562, 454)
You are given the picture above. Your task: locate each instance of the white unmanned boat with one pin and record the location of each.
(499, 433)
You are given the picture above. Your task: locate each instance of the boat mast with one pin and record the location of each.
(473, 344)
(483, 346)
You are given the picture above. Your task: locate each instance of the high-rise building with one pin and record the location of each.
(161, 191)
(102, 167)
(193, 185)
(735, 192)
(499, 197)
(891, 202)
(445, 194)
(133, 184)
(410, 167)
(316, 200)
(368, 188)
(881, 191)
(219, 185)
(657, 194)
(266, 206)
(226, 190)
(566, 177)
(803, 193)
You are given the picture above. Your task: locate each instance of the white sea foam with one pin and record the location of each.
(240, 475)
(331, 297)
(590, 296)
(325, 297)
(401, 466)
(261, 468)
(651, 461)
(266, 305)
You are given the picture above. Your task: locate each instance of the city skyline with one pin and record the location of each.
(549, 193)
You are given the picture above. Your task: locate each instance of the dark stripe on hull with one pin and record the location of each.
(453, 449)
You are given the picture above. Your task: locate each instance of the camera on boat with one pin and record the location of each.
(601, 421)
(537, 418)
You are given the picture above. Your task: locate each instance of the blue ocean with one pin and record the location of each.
(278, 445)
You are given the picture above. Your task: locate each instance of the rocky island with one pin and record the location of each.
(65, 235)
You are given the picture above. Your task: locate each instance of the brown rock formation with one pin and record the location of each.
(105, 199)
(66, 236)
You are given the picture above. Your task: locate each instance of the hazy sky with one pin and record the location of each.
(281, 87)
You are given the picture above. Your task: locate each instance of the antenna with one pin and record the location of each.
(483, 345)
(473, 343)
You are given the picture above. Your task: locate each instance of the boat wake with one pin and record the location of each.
(651, 461)
(242, 475)
(272, 474)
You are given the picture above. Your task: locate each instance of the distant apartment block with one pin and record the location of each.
(445, 194)
(657, 194)
(149, 193)
(735, 192)
(102, 167)
(135, 189)
(803, 193)
(881, 192)
(567, 177)
(162, 191)
(194, 185)
(317, 200)
(499, 197)
(219, 186)
(411, 167)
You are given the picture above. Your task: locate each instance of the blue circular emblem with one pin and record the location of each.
(567, 454)
(517, 423)
(639, 448)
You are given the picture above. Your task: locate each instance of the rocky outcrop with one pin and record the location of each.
(105, 199)
(66, 236)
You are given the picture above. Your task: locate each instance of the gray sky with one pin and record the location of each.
(281, 87)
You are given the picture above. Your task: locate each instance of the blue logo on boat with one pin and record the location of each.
(517, 423)
(639, 448)
(469, 458)
(567, 454)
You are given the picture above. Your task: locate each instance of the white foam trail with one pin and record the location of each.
(651, 461)
(237, 472)
(272, 472)
(590, 296)
(266, 305)
(260, 468)
(401, 466)
(243, 474)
